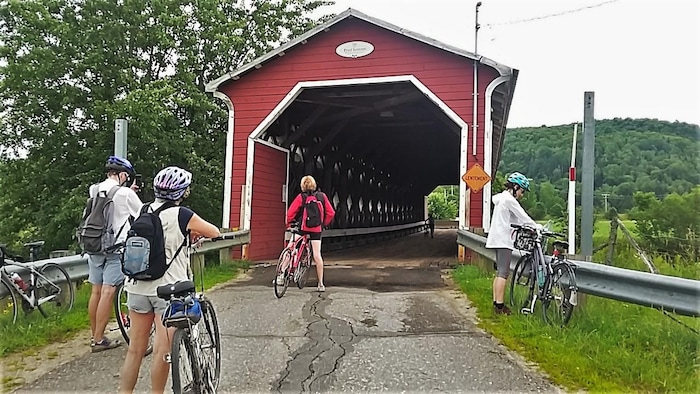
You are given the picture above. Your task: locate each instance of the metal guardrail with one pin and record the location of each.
(669, 293)
(77, 266)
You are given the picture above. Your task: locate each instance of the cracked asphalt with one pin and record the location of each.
(386, 323)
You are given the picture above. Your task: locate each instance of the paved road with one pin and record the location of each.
(378, 327)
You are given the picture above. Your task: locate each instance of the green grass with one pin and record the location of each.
(609, 346)
(33, 331)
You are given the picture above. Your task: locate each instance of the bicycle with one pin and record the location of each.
(49, 288)
(294, 261)
(121, 312)
(552, 281)
(196, 349)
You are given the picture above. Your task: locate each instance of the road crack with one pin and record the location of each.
(312, 365)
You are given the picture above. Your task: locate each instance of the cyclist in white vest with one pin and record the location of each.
(171, 184)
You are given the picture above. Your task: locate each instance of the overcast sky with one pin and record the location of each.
(640, 57)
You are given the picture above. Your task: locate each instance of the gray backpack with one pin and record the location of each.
(96, 231)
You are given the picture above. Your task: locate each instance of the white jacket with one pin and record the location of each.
(507, 211)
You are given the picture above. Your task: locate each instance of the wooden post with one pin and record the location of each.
(461, 250)
(197, 265)
(611, 241)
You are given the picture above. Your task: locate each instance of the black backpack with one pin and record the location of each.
(313, 209)
(143, 257)
(95, 231)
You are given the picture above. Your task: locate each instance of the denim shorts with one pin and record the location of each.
(145, 304)
(105, 269)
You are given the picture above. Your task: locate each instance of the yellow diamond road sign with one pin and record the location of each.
(476, 178)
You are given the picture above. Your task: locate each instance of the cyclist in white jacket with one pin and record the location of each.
(507, 211)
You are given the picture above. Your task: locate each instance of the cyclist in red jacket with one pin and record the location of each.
(296, 212)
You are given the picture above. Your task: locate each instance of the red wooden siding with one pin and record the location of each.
(447, 75)
(267, 207)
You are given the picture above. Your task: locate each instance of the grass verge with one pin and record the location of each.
(34, 331)
(609, 346)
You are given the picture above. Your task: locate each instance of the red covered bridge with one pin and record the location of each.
(379, 115)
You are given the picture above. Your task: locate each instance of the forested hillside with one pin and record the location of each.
(631, 155)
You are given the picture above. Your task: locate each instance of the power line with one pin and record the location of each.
(536, 18)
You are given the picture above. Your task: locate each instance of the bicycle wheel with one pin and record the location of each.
(302, 272)
(284, 260)
(521, 281)
(121, 312)
(210, 340)
(8, 303)
(183, 358)
(557, 307)
(58, 284)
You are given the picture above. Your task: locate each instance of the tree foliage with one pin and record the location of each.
(631, 155)
(69, 68)
(670, 226)
(443, 202)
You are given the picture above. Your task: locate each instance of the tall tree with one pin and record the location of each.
(69, 68)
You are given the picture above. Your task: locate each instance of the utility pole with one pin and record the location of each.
(605, 197)
(475, 94)
(120, 131)
(587, 167)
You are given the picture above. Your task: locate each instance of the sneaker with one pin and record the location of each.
(321, 288)
(280, 280)
(502, 311)
(105, 344)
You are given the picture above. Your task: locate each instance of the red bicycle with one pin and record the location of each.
(294, 262)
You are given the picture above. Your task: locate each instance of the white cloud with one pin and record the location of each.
(639, 57)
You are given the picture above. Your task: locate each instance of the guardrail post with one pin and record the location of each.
(197, 264)
(225, 253)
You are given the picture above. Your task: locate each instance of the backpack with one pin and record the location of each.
(143, 256)
(313, 209)
(95, 231)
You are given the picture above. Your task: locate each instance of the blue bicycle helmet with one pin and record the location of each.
(116, 163)
(519, 179)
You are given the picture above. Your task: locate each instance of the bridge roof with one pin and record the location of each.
(213, 86)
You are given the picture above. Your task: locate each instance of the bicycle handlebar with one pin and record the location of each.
(220, 238)
(544, 232)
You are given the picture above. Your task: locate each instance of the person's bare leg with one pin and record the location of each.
(104, 311)
(139, 334)
(92, 307)
(499, 289)
(316, 250)
(161, 347)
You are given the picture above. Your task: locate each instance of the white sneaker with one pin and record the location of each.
(321, 288)
(280, 279)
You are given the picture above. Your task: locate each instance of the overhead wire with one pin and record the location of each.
(536, 18)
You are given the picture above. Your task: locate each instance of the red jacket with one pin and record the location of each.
(297, 206)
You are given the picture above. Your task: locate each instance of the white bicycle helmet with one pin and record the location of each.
(171, 183)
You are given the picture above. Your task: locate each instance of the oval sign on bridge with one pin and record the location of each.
(476, 178)
(354, 49)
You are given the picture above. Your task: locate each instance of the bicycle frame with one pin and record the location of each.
(33, 276)
(538, 261)
(298, 243)
(203, 368)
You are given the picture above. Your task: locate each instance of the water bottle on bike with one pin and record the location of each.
(19, 281)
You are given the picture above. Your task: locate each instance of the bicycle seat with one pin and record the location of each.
(177, 289)
(34, 244)
(561, 244)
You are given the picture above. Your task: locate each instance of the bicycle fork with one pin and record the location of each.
(527, 310)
